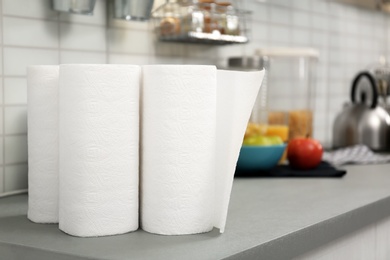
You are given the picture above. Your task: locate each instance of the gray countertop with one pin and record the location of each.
(268, 219)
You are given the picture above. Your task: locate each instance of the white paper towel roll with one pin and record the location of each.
(99, 136)
(42, 91)
(178, 149)
(194, 120)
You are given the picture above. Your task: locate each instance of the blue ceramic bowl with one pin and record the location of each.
(260, 157)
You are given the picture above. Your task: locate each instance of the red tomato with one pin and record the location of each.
(304, 153)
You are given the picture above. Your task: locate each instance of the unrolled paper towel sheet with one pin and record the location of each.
(42, 91)
(186, 177)
(99, 136)
(236, 96)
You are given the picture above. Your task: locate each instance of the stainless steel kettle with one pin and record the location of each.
(365, 120)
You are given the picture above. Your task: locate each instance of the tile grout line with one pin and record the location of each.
(107, 8)
(327, 113)
(15, 134)
(3, 93)
(51, 48)
(119, 27)
(15, 105)
(357, 50)
(59, 38)
(313, 91)
(57, 19)
(312, 11)
(16, 164)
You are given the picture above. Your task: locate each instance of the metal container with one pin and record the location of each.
(359, 124)
(74, 6)
(139, 10)
(366, 120)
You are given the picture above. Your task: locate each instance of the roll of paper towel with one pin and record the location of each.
(99, 137)
(194, 119)
(178, 149)
(42, 91)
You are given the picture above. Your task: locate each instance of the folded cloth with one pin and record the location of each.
(358, 154)
(324, 169)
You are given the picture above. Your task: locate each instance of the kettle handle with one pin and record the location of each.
(372, 81)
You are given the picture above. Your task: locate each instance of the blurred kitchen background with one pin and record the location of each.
(348, 39)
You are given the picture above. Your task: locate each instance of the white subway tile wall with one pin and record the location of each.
(349, 39)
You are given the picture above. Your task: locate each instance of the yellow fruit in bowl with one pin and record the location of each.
(262, 140)
(276, 140)
(254, 129)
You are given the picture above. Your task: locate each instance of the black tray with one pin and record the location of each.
(323, 170)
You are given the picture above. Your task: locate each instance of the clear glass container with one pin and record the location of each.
(228, 19)
(287, 96)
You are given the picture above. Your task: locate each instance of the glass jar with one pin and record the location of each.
(228, 20)
(192, 17)
(287, 93)
(169, 22)
(208, 8)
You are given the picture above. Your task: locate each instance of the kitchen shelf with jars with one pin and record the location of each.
(201, 21)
